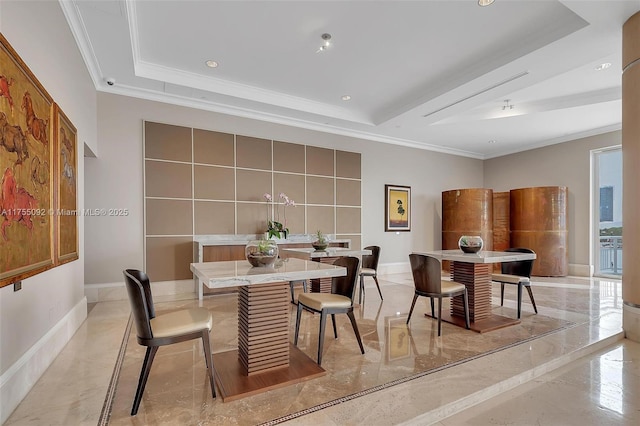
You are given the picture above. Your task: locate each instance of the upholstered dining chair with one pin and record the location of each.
(370, 269)
(339, 301)
(155, 331)
(516, 273)
(292, 284)
(427, 278)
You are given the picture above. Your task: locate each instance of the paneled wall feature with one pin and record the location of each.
(201, 182)
(538, 219)
(466, 212)
(501, 227)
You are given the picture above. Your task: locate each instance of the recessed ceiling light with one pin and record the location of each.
(603, 66)
(346, 97)
(211, 64)
(492, 141)
(485, 2)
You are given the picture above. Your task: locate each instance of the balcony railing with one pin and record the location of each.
(611, 255)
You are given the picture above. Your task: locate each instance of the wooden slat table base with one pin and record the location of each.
(233, 384)
(322, 285)
(477, 278)
(265, 359)
(263, 327)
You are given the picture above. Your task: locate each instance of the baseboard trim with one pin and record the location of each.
(18, 380)
(579, 270)
(107, 292)
(393, 268)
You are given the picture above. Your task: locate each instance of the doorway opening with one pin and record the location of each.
(607, 212)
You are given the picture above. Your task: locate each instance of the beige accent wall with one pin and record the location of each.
(566, 164)
(115, 178)
(221, 191)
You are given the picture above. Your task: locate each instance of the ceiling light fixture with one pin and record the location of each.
(492, 141)
(484, 3)
(326, 42)
(346, 97)
(507, 105)
(211, 64)
(603, 66)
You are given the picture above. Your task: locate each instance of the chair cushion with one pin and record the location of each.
(368, 272)
(451, 286)
(509, 279)
(181, 322)
(319, 301)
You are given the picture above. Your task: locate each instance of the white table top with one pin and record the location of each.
(311, 253)
(481, 257)
(240, 272)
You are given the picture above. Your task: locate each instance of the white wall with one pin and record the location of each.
(114, 180)
(566, 164)
(38, 320)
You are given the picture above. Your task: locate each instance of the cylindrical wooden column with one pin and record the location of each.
(631, 176)
(501, 223)
(466, 212)
(539, 221)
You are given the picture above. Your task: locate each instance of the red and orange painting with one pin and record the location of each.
(26, 170)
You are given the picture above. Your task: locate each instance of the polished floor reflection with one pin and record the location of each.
(461, 367)
(602, 389)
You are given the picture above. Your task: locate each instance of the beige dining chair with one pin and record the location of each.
(339, 301)
(155, 331)
(516, 273)
(427, 278)
(370, 269)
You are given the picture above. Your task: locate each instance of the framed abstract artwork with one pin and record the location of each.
(26, 171)
(66, 149)
(397, 215)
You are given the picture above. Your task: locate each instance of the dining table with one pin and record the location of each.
(328, 256)
(474, 271)
(265, 359)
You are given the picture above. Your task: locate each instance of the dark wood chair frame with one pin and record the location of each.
(370, 261)
(521, 268)
(292, 284)
(427, 277)
(139, 290)
(344, 286)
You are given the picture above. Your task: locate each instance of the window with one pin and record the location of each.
(607, 212)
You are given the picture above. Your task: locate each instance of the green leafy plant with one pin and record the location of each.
(321, 237)
(263, 246)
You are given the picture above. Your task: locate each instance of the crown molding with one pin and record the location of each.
(81, 36)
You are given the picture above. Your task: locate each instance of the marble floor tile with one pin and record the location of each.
(599, 389)
(408, 375)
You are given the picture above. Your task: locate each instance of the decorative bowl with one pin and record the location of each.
(470, 243)
(319, 246)
(261, 252)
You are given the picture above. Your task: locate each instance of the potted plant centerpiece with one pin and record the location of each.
(261, 252)
(470, 243)
(275, 228)
(321, 242)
